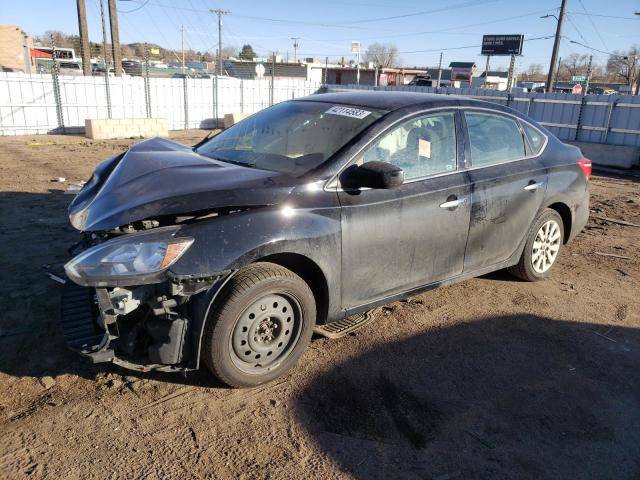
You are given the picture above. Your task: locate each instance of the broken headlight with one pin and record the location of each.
(128, 260)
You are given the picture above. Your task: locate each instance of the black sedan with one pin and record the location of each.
(304, 216)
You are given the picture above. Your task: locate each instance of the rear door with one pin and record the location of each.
(509, 183)
(397, 239)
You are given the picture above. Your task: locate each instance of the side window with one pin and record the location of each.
(493, 138)
(536, 139)
(422, 146)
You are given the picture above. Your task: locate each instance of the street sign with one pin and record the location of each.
(577, 89)
(355, 47)
(579, 79)
(502, 44)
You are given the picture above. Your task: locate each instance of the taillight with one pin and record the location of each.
(585, 166)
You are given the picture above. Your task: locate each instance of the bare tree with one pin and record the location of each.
(230, 51)
(534, 72)
(625, 66)
(382, 54)
(574, 64)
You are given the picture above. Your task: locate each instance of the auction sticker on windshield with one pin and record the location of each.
(348, 112)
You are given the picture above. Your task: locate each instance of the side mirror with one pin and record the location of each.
(372, 175)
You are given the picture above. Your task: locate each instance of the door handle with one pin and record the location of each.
(453, 203)
(533, 186)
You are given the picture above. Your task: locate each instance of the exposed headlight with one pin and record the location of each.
(131, 260)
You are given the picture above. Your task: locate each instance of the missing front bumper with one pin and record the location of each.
(139, 340)
(82, 326)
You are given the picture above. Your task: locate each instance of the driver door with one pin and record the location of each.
(395, 240)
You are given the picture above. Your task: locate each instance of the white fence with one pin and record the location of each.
(29, 104)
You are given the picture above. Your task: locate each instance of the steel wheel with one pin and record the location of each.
(265, 333)
(546, 246)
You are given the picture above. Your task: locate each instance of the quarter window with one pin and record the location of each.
(422, 146)
(493, 138)
(536, 139)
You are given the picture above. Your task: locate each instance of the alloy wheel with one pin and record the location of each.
(546, 246)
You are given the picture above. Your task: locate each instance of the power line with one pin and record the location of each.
(604, 16)
(593, 24)
(144, 4)
(471, 3)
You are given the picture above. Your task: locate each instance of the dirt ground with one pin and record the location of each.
(490, 378)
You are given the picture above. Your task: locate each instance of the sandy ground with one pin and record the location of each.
(490, 378)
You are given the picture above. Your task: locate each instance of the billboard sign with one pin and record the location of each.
(502, 44)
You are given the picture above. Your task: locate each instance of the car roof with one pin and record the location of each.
(385, 100)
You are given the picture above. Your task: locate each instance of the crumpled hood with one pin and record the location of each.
(159, 177)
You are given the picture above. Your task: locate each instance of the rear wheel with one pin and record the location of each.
(544, 242)
(259, 326)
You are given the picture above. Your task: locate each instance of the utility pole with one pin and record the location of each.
(84, 37)
(219, 12)
(182, 46)
(511, 71)
(295, 48)
(486, 72)
(115, 38)
(586, 86)
(106, 63)
(556, 47)
(439, 71)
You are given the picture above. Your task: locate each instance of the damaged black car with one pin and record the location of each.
(301, 218)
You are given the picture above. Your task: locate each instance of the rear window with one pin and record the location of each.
(291, 137)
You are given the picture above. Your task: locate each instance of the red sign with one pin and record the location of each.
(577, 89)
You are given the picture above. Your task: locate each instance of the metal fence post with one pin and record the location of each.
(55, 72)
(583, 102)
(607, 125)
(273, 79)
(241, 96)
(215, 98)
(147, 89)
(186, 103)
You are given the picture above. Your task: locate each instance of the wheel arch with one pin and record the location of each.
(567, 218)
(310, 272)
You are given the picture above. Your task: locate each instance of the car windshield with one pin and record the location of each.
(292, 137)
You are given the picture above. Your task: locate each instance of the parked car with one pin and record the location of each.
(231, 253)
(421, 81)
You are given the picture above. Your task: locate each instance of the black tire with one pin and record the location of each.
(525, 268)
(258, 295)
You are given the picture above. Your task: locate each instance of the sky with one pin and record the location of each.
(419, 28)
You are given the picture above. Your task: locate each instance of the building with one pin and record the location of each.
(337, 75)
(462, 72)
(15, 47)
(493, 79)
(250, 70)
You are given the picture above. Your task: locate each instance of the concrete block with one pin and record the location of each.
(102, 129)
(233, 118)
(619, 156)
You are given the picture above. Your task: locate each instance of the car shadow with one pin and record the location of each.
(518, 396)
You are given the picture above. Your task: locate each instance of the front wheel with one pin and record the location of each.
(544, 242)
(259, 326)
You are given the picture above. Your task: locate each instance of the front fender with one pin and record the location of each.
(228, 243)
